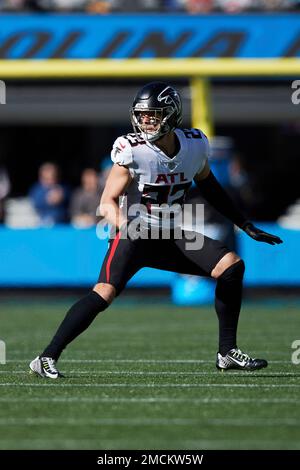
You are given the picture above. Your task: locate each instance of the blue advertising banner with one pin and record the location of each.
(133, 36)
(65, 256)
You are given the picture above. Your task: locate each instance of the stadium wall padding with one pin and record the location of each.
(64, 256)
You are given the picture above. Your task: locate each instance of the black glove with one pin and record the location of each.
(260, 235)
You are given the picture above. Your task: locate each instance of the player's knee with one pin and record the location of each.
(106, 291)
(235, 272)
(230, 260)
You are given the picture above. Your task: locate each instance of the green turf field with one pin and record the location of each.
(143, 377)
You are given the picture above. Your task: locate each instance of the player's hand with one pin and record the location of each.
(130, 230)
(260, 235)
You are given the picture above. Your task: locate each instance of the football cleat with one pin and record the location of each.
(236, 359)
(45, 367)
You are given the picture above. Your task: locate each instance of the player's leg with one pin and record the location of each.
(227, 268)
(120, 263)
(215, 260)
(229, 272)
(78, 319)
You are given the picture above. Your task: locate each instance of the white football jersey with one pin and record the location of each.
(159, 183)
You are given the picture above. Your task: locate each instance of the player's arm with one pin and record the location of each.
(116, 184)
(215, 194)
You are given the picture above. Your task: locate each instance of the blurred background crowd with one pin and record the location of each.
(69, 192)
(52, 200)
(123, 6)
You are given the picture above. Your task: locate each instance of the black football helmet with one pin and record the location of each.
(163, 103)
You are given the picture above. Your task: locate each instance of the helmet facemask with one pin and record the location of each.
(152, 123)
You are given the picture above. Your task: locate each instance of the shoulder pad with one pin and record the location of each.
(121, 152)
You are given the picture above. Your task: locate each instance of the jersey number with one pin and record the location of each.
(134, 139)
(154, 194)
(192, 133)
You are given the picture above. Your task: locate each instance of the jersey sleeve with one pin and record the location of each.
(122, 152)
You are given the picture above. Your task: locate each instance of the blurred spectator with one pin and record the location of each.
(236, 6)
(129, 6)
(99, 7)
(135, 6)
(173, 5)
(19, 5)
(4, 190)
(12, 4)
(199, 6)
(241, 188)
(58, 5)
(85, 200)
(49, 197)
(62, 5)
(44, 5)
(275, 5)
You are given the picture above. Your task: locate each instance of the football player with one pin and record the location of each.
(154, 167)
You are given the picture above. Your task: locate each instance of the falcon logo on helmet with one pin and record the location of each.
(166, 97)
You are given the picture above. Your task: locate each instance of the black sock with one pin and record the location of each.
(78, 318)
(228, 305)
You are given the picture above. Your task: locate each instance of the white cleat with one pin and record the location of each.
(237, 359)
(45, 367)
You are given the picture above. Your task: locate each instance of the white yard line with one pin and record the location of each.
(244, 422)
(54, 443)
(129, 361)
(155, 373)
(120, 400)
(61, 384)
